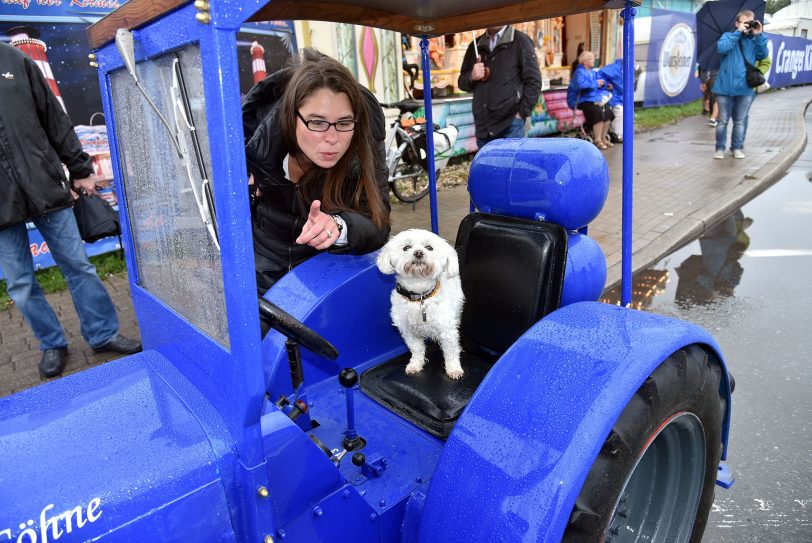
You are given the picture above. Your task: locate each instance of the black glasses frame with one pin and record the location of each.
(328, 124)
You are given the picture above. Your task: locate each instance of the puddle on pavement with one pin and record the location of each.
(756, 242)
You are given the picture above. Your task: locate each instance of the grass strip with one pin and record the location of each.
(655, 117)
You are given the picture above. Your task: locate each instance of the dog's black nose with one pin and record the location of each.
(418, 254)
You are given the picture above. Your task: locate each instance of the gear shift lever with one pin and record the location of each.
(348, 378)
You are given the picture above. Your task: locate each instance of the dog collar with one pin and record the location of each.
(417, 296)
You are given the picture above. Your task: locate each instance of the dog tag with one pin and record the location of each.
(423, 310)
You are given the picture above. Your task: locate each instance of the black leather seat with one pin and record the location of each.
(512, 273)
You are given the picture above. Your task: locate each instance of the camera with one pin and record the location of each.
(752, 25)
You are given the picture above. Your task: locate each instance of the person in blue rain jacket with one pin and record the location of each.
(588, 93)
(613, 75)
(733, 94)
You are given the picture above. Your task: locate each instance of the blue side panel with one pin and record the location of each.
(585, 274)
(120, 449)
(524, 446)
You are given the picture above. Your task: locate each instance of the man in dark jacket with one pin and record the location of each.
(504, 97)
(36, 137)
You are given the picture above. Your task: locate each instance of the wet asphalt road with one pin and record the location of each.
(749, 282)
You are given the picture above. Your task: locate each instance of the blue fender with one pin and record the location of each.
(523, 447)
(114, 453)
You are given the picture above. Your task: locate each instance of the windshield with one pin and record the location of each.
(168, 194)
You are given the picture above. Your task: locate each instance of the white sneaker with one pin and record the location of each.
(719, 155)
(738, 153)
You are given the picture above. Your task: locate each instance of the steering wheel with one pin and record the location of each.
(291, 327)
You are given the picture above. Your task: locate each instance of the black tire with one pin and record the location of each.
(410, 182)
(645, 484)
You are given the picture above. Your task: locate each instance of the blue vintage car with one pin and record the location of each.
(576, 420)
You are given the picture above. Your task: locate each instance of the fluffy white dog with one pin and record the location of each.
(427, 301)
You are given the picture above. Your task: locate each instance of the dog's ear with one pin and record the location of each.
(384, 261)
(452, 266)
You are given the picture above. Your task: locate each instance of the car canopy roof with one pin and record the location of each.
(432, 17)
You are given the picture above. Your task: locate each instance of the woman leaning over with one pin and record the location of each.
(589, 93)
(314, 146)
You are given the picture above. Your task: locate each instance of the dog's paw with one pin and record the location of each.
(454, 373)
(415, 366)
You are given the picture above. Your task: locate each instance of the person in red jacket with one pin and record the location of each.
(36, 138)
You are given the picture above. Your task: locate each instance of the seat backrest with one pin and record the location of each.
(512, 273)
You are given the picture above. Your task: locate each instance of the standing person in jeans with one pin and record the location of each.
(732, 93)
(36, 137)
(707, 79)
(505, 93)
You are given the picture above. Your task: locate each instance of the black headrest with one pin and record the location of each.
(512, 274)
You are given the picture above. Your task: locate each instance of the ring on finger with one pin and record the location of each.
(329, 234)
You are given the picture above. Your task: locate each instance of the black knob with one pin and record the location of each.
(359, 459)
(348, 377)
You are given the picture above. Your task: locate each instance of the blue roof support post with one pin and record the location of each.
(424, 51)
(628, 153)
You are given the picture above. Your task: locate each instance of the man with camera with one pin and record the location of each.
(745, 45)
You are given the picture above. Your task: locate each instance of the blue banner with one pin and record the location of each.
(791, 60)
(53, 10)
(670, 77)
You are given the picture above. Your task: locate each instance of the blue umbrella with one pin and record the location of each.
(714, 19)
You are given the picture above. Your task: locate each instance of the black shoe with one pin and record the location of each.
(52, 362)
(119, 344)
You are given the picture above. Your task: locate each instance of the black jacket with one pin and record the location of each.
(281, 211)
(36, 137)
(513, 87)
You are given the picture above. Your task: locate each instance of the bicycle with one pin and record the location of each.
(406, 157)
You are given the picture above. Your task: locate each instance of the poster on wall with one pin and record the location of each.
(595, 32)
(669, 67)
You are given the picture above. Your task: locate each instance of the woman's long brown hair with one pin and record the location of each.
(317, 71)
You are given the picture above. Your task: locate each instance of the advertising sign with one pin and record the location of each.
(791, 61)
(670, 74)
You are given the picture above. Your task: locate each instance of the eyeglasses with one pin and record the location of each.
(318, 125)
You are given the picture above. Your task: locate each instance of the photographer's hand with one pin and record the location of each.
(756, 28)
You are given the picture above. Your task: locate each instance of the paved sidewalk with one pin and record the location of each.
(680, 191)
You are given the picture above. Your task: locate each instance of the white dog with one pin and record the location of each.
(427, 301)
